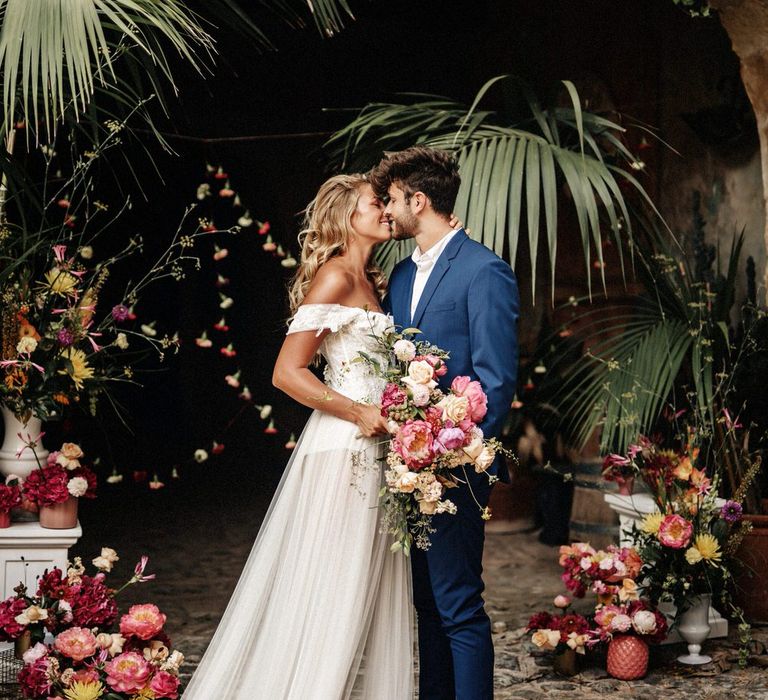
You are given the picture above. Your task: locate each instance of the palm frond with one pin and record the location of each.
(509, 169)
(53, 53)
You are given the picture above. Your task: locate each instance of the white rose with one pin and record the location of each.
(455, 408)
(26, 346)
(577, 642)
(621, 623)
(404, 350)
(66, 611)
(484, 460)
(474, 449)
(33, 613)
(77, 486)
(407, 482)
(421, 372)
(546, 639)
(113, 643)
(644, 622)
(420, 395)
(122, 341)
(67, 463)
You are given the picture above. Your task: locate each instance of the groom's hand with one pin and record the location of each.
(369, 419)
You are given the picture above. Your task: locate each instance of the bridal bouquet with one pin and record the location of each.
(435, 436)
(87, 657)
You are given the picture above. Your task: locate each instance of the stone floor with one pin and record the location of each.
(198, 538)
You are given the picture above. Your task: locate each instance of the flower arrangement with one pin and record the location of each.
(600, 571)
(62, 477)
(633, 617)
(435, 433)
(558, 633)
(686, 543)
(88, 658)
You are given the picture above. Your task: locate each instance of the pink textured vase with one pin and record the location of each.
(60, 516)
(627, 657)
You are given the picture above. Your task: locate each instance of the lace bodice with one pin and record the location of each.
(351, 330)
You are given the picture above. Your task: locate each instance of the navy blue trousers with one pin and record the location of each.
(455, 646)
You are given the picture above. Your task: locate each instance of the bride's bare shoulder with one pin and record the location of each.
(332, 284)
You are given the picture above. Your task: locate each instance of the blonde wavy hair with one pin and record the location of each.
(326, 234)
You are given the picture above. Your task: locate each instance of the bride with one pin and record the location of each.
(322, 609)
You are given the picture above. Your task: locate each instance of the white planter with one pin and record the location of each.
(694, 629)
(24, 465)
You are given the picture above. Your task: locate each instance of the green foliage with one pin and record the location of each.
(509, 166)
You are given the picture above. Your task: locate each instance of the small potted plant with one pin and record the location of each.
(56, 487)
(566, 634)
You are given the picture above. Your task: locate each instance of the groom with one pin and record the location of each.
(464, 299)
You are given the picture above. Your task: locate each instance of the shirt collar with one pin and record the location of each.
(434, 252)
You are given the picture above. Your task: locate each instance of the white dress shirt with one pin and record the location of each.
(425, 263)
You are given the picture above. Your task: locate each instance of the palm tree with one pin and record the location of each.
(509, 166)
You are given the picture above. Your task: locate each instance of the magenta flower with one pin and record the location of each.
(65, 337)
(120, 312)
(675, 531)
(731, 512)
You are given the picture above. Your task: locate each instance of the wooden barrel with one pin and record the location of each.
(592, 520)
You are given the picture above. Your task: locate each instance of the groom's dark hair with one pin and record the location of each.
(420, 169)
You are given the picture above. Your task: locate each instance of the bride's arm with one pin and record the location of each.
(292, 376)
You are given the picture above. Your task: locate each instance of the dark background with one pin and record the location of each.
(262, 117)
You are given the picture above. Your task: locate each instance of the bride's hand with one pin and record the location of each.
(454, 222)
(369, 420)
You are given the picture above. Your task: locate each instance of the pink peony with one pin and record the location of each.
(86, 675)
(478, 401)
(393, 396)
(165, 685)
(128, 672)
(675, 531)
(142, 621)
(449, 439)
(76, 643)
(414, 443)
(441, 369)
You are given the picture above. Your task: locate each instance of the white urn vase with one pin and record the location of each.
(694, 629)
(23, 464)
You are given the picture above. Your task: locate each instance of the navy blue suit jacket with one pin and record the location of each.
(469, 307)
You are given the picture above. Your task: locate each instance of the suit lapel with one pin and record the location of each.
(442, 265)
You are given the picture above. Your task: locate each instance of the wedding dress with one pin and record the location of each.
(322, 610)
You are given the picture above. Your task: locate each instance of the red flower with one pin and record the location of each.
(218, 448)
(34, 679)
(47, 486)
(10, 497)
(539, 620)
(9, 609)
(264, 228)
(393, 396)
(93, 604)
(53, 584)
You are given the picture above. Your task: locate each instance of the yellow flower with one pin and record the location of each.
(61, 281)
(708, 546)
(692, 556)
(79, 369)
(651, 523)
(84, 691)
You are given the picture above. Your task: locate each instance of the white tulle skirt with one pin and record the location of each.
(322, 610)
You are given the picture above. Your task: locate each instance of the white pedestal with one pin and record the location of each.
(632, 509)
(27, 550)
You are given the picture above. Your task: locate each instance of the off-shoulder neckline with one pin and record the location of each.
(343, 306)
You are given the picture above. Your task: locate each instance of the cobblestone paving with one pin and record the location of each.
(198, 542)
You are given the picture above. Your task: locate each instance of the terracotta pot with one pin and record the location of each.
(566, 663)
(22, 643)
(751, 574)
(5, 518)
(627, 657)
(61, 516)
